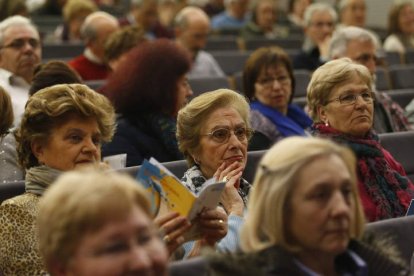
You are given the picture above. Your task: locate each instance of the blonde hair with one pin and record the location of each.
(73, 7)
(274, 183)
(53, 105)
(191, 118)
(82, 202)
(330, 75)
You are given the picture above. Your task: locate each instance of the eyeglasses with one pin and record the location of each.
(365, 58)
(349, 99)
(319, 25)
(222, 135)
(18, 44)
(269, 81)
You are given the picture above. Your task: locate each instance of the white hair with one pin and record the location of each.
(318, 7)
(12, 21)
(341, 38)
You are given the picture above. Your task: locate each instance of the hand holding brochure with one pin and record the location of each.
(169, 194)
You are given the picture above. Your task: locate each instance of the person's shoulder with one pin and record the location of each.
(25, 201)
(381, 254)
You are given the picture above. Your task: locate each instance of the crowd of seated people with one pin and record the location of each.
(79, 217)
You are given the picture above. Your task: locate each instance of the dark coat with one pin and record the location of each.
(136, 139)
(380, 256)
(275, 261)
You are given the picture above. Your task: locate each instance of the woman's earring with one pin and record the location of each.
(196, 161)
(327, 123)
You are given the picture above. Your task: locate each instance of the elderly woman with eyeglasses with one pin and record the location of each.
(341, 104)
(213, 131)
(268, 83)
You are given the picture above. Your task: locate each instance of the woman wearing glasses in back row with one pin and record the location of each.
(269, 84)
(341, 104)
(213, 131)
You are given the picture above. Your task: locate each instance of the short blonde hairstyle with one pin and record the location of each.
(6, 112)
(192, 117)
(52, 106)
(82, 202)
(73, 7)
(275, 182)
(330, 75)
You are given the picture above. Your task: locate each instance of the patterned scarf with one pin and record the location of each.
(39, 178)
(193, 179)
(388, 189)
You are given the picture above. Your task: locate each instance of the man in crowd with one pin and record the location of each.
(233, 17)
(320, 20)
(361, 46)
(145, 14)
(20, 53)
(352, 13)
(95, 30)
(192, 27)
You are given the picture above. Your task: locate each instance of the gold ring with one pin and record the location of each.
(221, 221)
(166, 239)
(226, 178)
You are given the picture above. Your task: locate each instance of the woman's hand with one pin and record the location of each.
(230, 197)
(173, 226)
(213, 225)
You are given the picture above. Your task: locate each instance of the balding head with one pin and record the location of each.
(96, 29)
(192, 27)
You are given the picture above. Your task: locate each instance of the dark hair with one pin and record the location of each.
(146, 81)
(51, 73)
(261, 59)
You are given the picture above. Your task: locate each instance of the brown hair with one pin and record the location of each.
(51, 73)
(6, 112)
(51, 106)
(261, 60)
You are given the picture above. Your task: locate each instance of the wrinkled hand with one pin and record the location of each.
(213, 225)
(230, 197)
(172, 226)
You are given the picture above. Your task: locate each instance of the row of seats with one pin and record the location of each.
(399, 144)
(225, 44)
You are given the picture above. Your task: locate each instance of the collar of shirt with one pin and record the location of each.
(92, 57)
(13, 80)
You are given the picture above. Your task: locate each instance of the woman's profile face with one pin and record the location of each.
(273, 87)
(352, 118)
(212, 152)
(322, 207)
(127, 246)
(75, 143)
(406, 19)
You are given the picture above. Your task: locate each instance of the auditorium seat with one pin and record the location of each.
(402, 76)
(382, 81)
(201, 85)
(401, 147)
(11, 189)
(285, 43)
(401, 96)
(392, 58)
(65, 51)
(302, 78)
(221, 43)
(231, 61)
